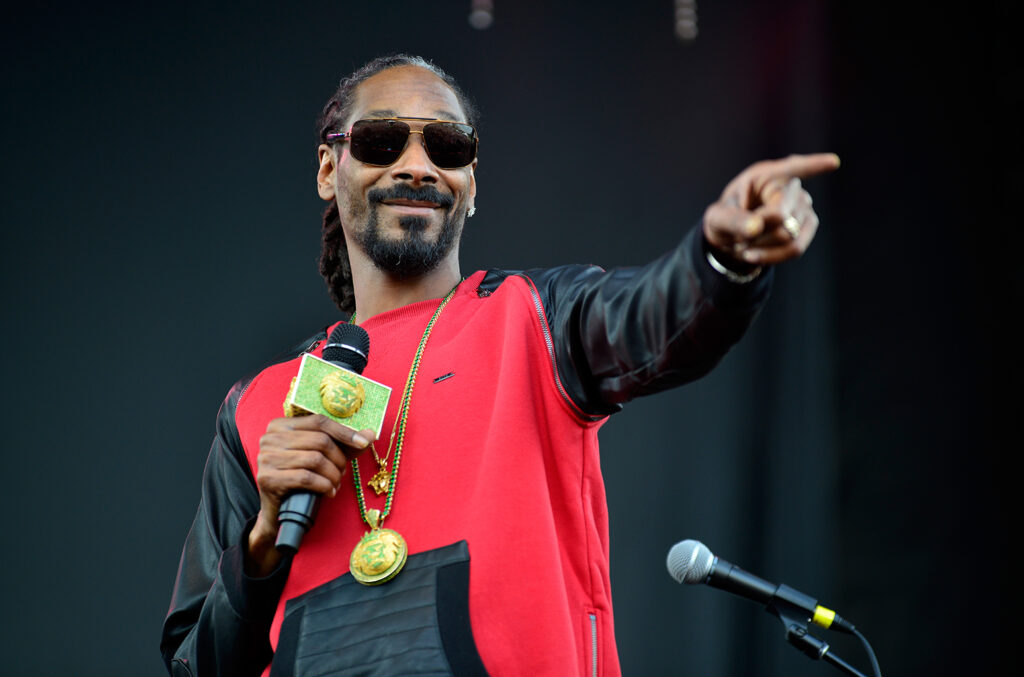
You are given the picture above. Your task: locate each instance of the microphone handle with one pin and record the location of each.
(729, 577)
(295, 517)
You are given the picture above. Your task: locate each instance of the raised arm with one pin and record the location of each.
(634, 331)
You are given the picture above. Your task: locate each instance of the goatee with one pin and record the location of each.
(412, 254)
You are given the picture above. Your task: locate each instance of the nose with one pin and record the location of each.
(414, 164)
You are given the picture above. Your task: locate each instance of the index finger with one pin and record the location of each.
(799, 166)
(342, 434)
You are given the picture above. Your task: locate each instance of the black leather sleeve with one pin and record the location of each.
(219, 619)
(634, 331)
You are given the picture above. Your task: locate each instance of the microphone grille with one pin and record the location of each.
(690, 561)
(350, 345)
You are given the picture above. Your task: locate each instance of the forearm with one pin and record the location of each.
(219, 619)
(635, 331)
(231, 635)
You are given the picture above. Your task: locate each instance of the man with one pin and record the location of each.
(487, 464)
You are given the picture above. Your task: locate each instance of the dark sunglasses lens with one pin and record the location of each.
(450, 144)
(378, 142)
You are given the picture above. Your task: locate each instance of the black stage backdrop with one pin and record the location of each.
(160, 235)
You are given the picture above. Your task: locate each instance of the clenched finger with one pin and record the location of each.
(279, 483)
(276, 442)
(313, 461)
(725, 225)
(778, 245)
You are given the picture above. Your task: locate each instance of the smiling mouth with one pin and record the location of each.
(411, 203)
(411, 206)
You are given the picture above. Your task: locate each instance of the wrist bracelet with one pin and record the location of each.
(732, 275)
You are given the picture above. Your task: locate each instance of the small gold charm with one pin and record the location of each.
(380, 481)
(379, 556)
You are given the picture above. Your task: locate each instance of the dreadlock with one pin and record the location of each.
(334, 264)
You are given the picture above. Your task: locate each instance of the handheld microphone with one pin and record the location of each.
(691, 562)
(348, 347)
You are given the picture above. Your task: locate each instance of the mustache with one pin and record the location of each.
(402, 191)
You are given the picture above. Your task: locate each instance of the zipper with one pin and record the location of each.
(593, 645)
(539, 307)
(241, 395)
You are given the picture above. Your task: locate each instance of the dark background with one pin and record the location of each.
(160, 232)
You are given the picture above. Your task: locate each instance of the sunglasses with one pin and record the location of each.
(380, 141)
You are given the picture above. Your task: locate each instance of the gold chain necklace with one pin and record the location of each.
(381, 553)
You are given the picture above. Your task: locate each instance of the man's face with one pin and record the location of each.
(406, 217)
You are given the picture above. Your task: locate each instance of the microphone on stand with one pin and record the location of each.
(347, 347)
(691, 561)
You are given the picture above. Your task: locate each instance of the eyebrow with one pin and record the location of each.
(389, 113)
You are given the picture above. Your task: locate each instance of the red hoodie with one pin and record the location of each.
(493, 455)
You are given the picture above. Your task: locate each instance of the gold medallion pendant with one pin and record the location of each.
(379, 556)
(381, 553)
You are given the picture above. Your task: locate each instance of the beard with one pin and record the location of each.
(412, 254)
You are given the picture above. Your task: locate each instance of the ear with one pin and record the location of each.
(472, 184)
(325, 175)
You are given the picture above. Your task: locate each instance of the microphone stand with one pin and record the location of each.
(794, 621)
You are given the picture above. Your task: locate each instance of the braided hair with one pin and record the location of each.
(334, 263)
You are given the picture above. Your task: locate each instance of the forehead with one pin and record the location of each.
(406, 91)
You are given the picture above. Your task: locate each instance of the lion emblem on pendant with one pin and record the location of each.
(341, 395)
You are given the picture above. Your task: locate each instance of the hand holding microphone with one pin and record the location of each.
(302, 458)
(306, 456)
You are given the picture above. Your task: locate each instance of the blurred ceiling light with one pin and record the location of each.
(481, 14)
(686, 20)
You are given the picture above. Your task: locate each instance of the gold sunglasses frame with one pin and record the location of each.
(342, 136)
